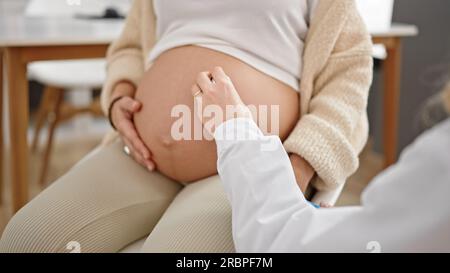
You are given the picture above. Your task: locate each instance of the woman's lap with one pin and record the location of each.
(103, 203)
(197, 220)
(107, 201)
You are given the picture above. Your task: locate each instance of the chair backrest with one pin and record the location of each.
(64, 8)
(377, 14)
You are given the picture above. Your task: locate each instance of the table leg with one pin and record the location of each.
(391, 96)
(1, 128)
(18, 122)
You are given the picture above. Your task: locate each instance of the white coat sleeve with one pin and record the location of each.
(270, 213)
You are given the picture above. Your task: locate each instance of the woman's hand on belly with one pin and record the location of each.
(122, 113)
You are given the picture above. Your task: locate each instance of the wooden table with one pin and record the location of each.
(392, 40)
(26, 40)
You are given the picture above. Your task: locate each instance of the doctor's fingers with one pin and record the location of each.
(204, 81)
(219, 75)
(196, 91)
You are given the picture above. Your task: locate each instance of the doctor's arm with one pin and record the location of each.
(270, 213)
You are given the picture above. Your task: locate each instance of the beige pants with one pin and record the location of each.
(107, 201)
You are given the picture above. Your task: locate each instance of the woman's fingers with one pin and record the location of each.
(130, 105)
(137, 157)
(148, 163)
(126, 127)
(151, 166)
(123, 114)
(129, 132)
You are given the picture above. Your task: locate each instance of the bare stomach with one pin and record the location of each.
(168, 84)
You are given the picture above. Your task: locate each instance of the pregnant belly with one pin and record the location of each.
(167, 84)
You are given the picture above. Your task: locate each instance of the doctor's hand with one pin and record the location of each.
(303, 171)
(215, 90)
(122, 112)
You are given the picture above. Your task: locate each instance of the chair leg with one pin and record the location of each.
(96, 109)
(45, 105)
(56, 108)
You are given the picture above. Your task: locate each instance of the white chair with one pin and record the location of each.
(69, 8)
(377, 14)
(79, 77)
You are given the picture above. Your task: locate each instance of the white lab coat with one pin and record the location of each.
(405, 209)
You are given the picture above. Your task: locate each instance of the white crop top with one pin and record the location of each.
(266, 34)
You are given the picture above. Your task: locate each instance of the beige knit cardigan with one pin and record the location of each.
(334, 86)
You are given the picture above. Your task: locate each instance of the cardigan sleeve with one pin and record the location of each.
(124, 56)
(329, 135)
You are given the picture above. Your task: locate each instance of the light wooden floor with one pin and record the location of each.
(67, 153)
